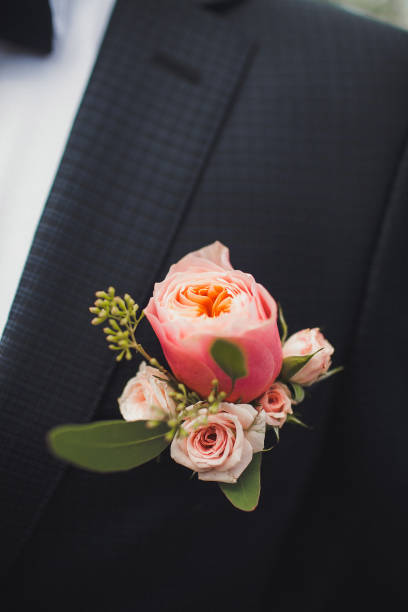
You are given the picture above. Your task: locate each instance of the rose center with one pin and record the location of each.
(209, 438)
(209, 300)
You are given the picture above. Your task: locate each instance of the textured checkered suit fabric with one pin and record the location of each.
(111, 214)
(306, 181)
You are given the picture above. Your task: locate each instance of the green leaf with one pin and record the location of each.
(298, 392)
(292, 418)
(283, 324)
(330, 373)
(277, 433)
(292, 365)
(108, 446)
(229, 357)
(244, 494)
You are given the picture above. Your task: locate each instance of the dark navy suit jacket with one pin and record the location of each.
(280, 128)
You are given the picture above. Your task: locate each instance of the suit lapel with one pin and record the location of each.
(165, 76)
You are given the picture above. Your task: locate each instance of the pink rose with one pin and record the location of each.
(203, 298)
(277, 404)
(305, 342)
(223, 448)
(145, 397)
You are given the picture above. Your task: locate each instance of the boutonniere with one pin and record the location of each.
(231, 377)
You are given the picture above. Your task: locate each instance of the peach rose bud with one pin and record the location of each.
(277, 404)
(221, 449)
(306, 342)
(146, 396)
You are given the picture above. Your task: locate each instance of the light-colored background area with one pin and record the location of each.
(393, 11)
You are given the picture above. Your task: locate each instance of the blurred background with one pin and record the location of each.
(393, 11)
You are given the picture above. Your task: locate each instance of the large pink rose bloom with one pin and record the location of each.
(203, 298)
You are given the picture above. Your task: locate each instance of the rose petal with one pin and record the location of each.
(256, 433)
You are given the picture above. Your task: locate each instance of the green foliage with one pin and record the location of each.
(292, 365)
(283, 324)
(121, 313)
(298, 392)
(294, 419)
(215, 398)
(229, 357)
(330, 373)
(244, 494)
(108, 446)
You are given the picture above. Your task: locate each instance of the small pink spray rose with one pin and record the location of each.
(221, 449)
(146, 396)
(203, 298)
(306, 342)
(277, 404)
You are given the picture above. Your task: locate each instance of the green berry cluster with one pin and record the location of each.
(190, 406)
(123, 318)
